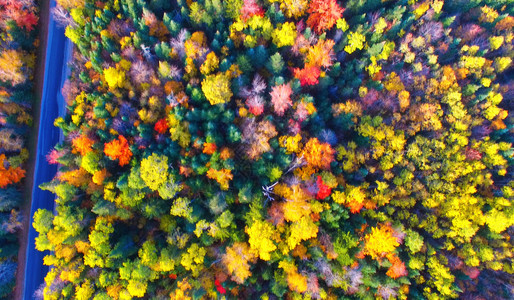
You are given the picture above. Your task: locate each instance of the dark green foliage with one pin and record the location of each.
(7, 277)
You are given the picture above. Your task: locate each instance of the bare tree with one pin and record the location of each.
(62, 17)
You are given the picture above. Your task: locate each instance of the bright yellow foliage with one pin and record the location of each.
(342, 24)
(78, 16)
(488, 14)
(421, 9)
(166, 262)
(137, 288)
(373, 68)
(154, 170)
(353, 197)
(182, 291)
(472, 62)
(496, 42)
(442, 278)
(260, 235)
(502, 63)
(498, 221)
(284, 34)
(295, 281)
(114, 78)
(73, 34)
(67, 252)
(217, 88)
(291, 143)
(193, 259)
(301, 230)
(355, 41)
(260, 27)
(84, 291)
(380, 241)
(11, 67)
(210, 64)
(437, 5)
(394, 83)
(195, 47)
(297, 204)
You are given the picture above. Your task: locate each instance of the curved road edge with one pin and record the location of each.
(58, 53)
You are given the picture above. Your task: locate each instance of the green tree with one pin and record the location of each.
(275, 63)
(42, 224)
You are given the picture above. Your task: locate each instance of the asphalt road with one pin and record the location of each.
(58, 52)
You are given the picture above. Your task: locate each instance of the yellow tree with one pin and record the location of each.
(380, 241)
(11, 64)
(261, 235)
(237, 259)
(301, 230)
(154, 170)
(216, 88)
(295, 280)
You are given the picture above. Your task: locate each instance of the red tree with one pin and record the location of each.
(324, 14)
(250, 8)
(307, 75)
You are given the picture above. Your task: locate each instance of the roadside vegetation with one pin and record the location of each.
(269, 149)
(18, 43)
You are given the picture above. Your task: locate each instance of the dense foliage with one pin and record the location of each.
(284, 149)
(18, 20)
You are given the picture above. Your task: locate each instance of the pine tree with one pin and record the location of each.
(7, 277)
(275, 63)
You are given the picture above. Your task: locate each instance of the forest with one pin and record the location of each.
(18, 44)
(279, 149)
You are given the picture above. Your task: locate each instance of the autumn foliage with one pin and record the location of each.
(380, 242)
(318, 155)
(323, 14)
(282, 149)
(83, 144)
(9, 175)
(281, 98)
(161, 126)
(237, 260)
(11, 67)
(222, 176)
(18, 49)
(119, 149)
(308, 75)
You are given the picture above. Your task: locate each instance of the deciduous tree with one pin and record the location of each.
(323, 14)
(237, 260)
(154, 170)
(119, 149)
